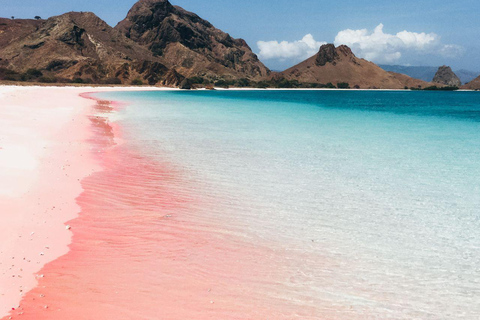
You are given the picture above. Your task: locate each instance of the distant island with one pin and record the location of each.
(426, 73)
(160, 44)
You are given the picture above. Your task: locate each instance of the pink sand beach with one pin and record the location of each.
(89, 230)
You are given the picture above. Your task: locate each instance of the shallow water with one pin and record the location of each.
(383, 186)
(278, 205)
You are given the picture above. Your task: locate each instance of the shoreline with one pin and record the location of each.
(140, 226)
(149, 88)
(44, 155)
(136, 231)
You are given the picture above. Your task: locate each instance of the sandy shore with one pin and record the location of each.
(44, 154)
(141, 244)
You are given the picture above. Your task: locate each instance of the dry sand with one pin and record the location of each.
(44, 154)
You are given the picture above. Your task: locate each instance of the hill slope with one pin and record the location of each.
(418, 72)
(340, 65)
(186, 42)
(472, 85)
(78, 45)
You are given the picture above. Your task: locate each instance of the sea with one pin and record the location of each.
(312, 204)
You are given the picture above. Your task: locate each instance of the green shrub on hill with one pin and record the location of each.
(34, 73)
(137, 82)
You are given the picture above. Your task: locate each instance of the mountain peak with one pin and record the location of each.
(189, 43)
(328, 53)
(338, 65)
(150, 7)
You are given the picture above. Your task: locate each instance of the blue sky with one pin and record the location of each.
(437, 32)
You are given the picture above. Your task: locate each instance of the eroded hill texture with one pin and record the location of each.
(157, 43)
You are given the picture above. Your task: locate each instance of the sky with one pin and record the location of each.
(285, 32)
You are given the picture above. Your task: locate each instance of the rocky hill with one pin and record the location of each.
(447, 77)
(466, 75)
(77, 46)
(191, 45)
(472, 85)
(339, 65)
(161, 44)
(13, 30)
(156, 44)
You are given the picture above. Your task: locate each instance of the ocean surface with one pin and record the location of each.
(308, 204)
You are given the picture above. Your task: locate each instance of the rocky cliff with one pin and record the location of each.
(447, 77)
(191, 45)
(339, 65)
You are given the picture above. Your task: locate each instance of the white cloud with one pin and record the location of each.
(297, 50)
(382, 47)
(452, 50)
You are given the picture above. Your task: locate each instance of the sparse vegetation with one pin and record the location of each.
(223, 83)
(343, 85)
(34, 73)
(330, 86)
(38, 17)
(197, 80)
(137, 82)
(435, 88)
(47, 80)
(242, 83)
(112, 81)
(54, 64)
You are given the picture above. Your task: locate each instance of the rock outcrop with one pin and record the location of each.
(339, 65)
(173, 79)
(191, 45)
(446, 76)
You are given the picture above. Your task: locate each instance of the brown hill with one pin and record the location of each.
(12, 30)
(472, 85)
(447, 77)
(191, 45)
(340, 65)
(77, 45)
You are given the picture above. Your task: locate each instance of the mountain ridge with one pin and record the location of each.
(81, 47)
(162, 44)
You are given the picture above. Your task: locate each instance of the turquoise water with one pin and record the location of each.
(371, 199)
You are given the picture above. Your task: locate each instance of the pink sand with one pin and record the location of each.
(44, 154)
(132, 254)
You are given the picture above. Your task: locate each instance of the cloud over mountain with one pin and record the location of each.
(382, 47)
(296, 50)
(377, 46)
